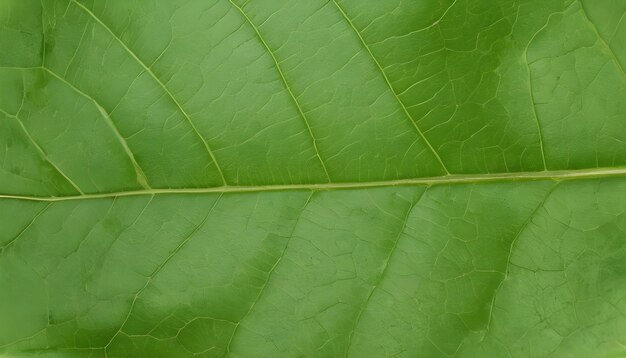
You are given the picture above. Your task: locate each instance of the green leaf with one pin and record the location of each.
(275, 178)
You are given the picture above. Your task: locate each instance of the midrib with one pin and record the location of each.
(441, 180)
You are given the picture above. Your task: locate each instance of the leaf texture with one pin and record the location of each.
(273, 178)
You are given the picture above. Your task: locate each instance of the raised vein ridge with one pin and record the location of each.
(556, 175)
(284, 80)
(142, 179)
(159, 82)
(393, 91)
(602, 40)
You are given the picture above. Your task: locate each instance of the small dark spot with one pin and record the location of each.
(48, 45)
(16, 170)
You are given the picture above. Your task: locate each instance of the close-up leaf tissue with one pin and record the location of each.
(312, 178)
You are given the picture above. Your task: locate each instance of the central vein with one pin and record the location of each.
(442, 180)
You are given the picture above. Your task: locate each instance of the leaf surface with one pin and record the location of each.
(334, 178)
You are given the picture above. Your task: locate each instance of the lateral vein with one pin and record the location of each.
(606, 44)
(284, 80)
(158, 270)
(393, 91)
(531, 94)
(269, 274)
(521, 230)
(169, 94)
(383, 272)
(42, 153)
(142, 179)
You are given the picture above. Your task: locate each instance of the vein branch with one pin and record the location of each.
(284, 80)
(5, 246)
(160, 83)
(269, 274)
(593, 26)
(159, 268)
(531, 94)
(142, 179)
(393, 91)
(383, 271)
(511, 248)
(42, 153)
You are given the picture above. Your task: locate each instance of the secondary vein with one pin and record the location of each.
(404, 109)
(269, 274)
(167, 91)
(284, 80)
(381, 276)
(42, 153)
(142, 179)
(606, 44)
